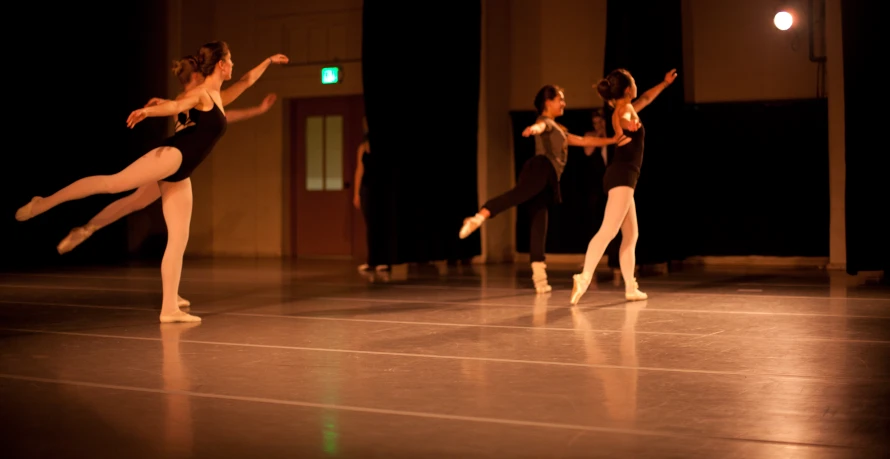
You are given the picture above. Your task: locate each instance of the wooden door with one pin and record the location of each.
(325, 136)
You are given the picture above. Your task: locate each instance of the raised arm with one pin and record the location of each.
(235, 114)
(237, 88)
(169, 108)
(647, 97)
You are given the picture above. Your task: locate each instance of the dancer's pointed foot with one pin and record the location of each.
(27, 211)
(579, 288)
(634, 294)
(183, 303)
(75, 238)
(178, 316)
(471, 224)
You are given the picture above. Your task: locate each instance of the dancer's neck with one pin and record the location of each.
(213, 81)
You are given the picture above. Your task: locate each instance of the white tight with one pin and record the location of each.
(138, 200)
(176, 200)
(147, 170)
(620, 214)
(144, 174)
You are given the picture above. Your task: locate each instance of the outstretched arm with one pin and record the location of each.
(234, 115)
(168, 108)
(647, 97)
(535, 129)
(591, 141)
(236, 89)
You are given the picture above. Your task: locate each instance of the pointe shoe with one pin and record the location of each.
(183, 303)
(635, 294)
(579, 288)
(27, 211)
(539, 276)
(178, 317)
(471, 224)
(75, 238)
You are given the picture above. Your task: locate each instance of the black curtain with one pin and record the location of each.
(421, 89)
(867, 200)
(80, 75)
(646, 38)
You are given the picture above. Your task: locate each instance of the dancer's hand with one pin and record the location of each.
(268, 102)
(154, 101)
(357, 202)
(278, 59)
(135, 117)
(670, 76)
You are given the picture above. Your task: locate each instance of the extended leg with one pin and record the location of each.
(141, 198)
(151, 167)
(532, 180)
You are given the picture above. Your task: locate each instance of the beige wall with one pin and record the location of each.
(240, 207)
(732, 52)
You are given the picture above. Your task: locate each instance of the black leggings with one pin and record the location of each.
(373, 242)
(539, 187)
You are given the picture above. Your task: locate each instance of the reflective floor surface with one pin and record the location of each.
(313, 360)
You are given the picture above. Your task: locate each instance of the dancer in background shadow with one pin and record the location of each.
(619, 90)
(539, 179)
(365, 175)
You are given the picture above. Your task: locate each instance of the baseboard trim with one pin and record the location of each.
(757, 260)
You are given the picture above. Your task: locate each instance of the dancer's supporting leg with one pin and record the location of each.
(617, 207)
(538, 207)
(176, 199)
(151, 167)
(138, 200)
(627, 256)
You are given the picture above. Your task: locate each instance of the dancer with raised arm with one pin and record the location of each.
(186, 70)
(539, 179)
(170, 164)
(619, 90)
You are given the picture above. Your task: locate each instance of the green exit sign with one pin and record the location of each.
(330, 75)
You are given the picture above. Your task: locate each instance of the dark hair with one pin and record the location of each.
(183, 69)
(613, 86)
(210, 54)
(548, 92)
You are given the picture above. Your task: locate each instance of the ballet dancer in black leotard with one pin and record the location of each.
(169, 164)
(618, 89)
(539, 180)
(186, 70)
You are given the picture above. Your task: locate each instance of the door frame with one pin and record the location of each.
(351, 141)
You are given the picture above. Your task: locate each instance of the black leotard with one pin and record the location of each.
(624, 169)
(197, 141)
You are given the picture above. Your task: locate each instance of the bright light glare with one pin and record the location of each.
(783, 20)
